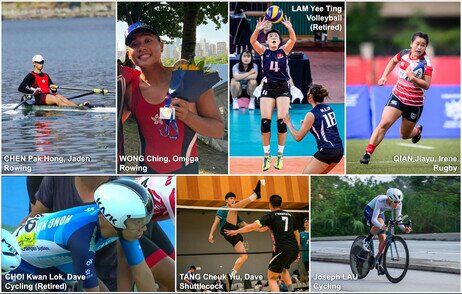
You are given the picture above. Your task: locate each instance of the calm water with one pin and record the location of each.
(78, 53)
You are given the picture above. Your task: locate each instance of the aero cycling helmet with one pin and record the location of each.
(11, 252)
(395, 194)
(122, 199)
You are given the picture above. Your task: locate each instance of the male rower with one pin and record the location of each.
(39, 85)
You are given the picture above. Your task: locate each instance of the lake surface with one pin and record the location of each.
(78, 53)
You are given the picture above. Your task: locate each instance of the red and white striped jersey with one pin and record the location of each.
(405, 91)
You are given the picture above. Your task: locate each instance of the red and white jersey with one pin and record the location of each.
(162, 190)
(405, 91)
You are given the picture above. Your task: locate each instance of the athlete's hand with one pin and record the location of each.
(211, 239)
(407, 230)
(261, 24)
(384, 228)
(286, 118)
(286, 22)
(410, 74)
(382, 81)
(53, 87)
(231, 232)
(37, 92)
(181, 109)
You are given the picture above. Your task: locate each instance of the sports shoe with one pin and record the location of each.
(365, 159)
(380, 271)
(416, 139)
(252, 103)
(366, 245)
(279, 162)
(257, 189)
(266, 162)
(235, 104)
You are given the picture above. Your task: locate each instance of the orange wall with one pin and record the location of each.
(211, 190)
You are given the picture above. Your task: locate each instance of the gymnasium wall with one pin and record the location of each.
(211, 190)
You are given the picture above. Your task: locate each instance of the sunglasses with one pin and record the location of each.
(40, 62)
(396, 202)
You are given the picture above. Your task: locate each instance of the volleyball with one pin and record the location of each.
(274, 14)
(418, 68)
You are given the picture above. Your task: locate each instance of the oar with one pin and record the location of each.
(22, 102)
(96, 91)
(81, 95)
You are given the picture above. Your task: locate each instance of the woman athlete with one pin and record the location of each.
(167, 146)
(275, 89)
(321, 122)
(407, 97)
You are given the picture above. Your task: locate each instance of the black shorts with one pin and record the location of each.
(231, 239)
(411, 113)
(329, 155)
(282, 259)
(275, 90)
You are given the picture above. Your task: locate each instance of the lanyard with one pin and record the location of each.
(170, 121)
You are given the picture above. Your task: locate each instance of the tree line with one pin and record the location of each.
(337, 203)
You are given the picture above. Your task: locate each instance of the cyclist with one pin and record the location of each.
(66, 241)
(374, 212)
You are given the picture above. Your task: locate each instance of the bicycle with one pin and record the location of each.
(394, 255)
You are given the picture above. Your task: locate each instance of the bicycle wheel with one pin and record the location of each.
(359, 258)
(396, 259)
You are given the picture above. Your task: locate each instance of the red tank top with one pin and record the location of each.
(162, 154)
(42, 82)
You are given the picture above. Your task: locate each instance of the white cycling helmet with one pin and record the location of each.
(395, 194)
(122, 199)
(11, 252)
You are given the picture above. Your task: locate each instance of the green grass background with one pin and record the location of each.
(382, 160)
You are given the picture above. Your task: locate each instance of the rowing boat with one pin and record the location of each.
(9, 108)
(61, 108)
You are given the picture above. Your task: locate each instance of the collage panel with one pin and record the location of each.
(58, 88)
(287, 78)
(226, 229)
(82, 233)
(403, 88)
(172, 81)
(417, 223)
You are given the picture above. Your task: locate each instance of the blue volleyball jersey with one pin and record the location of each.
(324, 127)
(275, 65)
(67, 239)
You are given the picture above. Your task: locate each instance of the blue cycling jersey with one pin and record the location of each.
(66, 240)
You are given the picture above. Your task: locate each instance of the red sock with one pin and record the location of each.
(370, 148)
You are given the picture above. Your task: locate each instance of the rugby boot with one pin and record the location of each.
(365, 159)
(416, 139)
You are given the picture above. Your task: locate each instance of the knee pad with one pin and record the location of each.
(265, 125)
(282, 127)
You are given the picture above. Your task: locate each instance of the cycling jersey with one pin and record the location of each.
(66, 240)
(379, 206)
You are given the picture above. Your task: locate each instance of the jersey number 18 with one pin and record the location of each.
(330, 119)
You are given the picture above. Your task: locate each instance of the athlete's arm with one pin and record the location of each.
(375, 217)
(287, 47)
(26, 84)
(140, 272)
(248, 228)
(388, 69)
(304, 129)
(38, 208)
(297, 237)
(208, 121)
(423, 83)
(259, 48)
(213, 228)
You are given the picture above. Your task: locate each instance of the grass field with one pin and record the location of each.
(396, 156)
